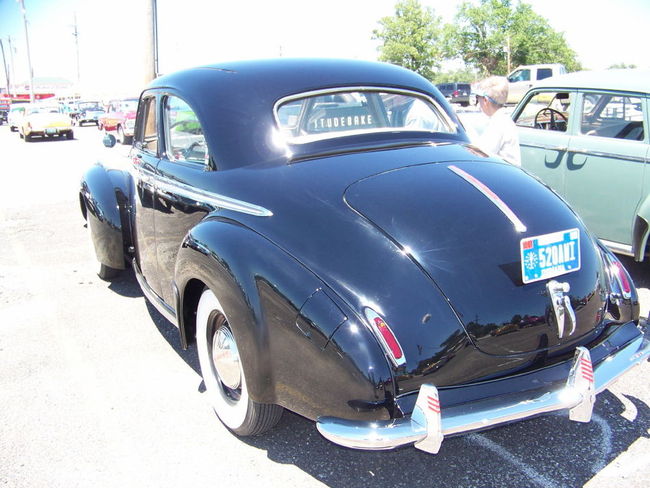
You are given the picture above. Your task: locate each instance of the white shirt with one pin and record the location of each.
(500, 138)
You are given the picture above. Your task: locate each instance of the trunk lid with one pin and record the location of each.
(470, 248)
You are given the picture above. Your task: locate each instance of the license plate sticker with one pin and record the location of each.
(550, 255)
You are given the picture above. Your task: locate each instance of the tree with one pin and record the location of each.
(412, 38)
(485, 34)
(623, 66)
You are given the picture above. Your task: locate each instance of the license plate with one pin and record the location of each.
(50, 132)
(550, 255)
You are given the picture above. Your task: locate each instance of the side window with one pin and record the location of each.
(185, 138)
(520, 75)
(543, 73)
(610, 115)
(149, 141)
(546, 110)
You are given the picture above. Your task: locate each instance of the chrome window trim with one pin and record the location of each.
(377, 89)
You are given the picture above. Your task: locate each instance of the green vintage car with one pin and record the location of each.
(586, 136)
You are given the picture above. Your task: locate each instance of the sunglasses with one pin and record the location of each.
(475, 96)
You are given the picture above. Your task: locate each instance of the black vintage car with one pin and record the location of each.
(326, 233)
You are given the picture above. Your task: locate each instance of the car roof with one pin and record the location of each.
(235, 101)
(632, 80)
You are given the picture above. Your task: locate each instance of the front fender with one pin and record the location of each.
(283, 317)
(104, 200)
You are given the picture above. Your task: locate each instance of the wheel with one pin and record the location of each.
(223, 374)
(122, 137)
(104, 272)
(69, 135)
(27, 138)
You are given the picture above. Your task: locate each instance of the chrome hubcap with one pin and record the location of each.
(225, 358)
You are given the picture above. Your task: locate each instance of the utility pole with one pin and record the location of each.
(151, 41)
(75, 33)
(29, 58)
(13, 68)
(4, 64)
(508, 52)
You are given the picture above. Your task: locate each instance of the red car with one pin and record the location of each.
(120, 117)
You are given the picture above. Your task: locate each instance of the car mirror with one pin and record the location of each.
(109, 140)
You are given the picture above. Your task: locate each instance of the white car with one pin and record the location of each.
(44, 121)
(16, 114)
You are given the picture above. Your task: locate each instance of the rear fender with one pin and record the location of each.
(104, 197)
(641, 230)
(282, 317)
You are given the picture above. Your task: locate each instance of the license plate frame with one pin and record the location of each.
(549, 255)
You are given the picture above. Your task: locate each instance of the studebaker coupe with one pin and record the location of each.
(326, 233)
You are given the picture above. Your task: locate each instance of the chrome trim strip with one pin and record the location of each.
(483, 414)
(585, 152)
(209, 198)
(546, 148)
(618, 247)
(164, 309)
(493, 197)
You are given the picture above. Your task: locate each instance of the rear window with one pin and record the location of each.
(344, 112)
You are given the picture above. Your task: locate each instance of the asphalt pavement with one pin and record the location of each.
(95, 390)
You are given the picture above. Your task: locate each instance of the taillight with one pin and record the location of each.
(622, 278)
(385, 336)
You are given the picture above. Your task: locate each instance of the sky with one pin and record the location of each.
(196, 32)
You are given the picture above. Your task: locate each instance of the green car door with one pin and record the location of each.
(544, 120)
(605, 173)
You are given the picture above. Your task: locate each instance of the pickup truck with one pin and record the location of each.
(523, 78)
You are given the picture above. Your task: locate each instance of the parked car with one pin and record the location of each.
(326, 233)
(119, 117)
(44, 120)
(88, 112)
(5, 104)
(586, 135)
(524, 77)
(16, 114)
(456, 92)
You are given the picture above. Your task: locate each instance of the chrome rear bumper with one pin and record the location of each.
(430, 421)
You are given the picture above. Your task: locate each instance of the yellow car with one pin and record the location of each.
(45, 121)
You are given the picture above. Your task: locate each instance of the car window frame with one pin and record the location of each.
(584, 92)
(141, 121)
(573, 103)
(372, 89)
(206, 165)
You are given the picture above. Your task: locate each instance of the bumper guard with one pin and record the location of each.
(430, 422)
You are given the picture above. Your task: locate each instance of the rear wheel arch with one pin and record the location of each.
(641, 230)
(262, 290)
(104, 201)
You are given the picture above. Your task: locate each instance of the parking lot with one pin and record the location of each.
(96, 391)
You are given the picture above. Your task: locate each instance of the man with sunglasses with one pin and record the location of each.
(500, 136)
